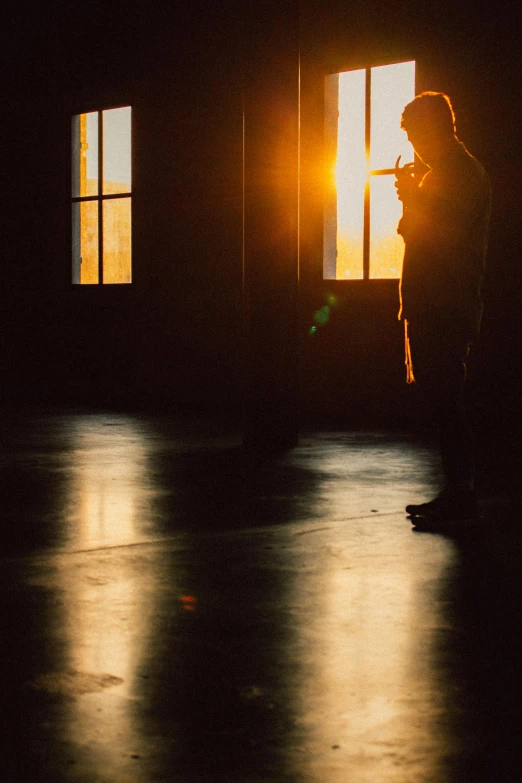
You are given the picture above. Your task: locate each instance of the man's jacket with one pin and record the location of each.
(445, 230)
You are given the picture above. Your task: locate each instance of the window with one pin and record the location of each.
(101, 197)
(363, 140)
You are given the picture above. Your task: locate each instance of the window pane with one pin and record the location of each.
(85, 155)
(117, 240)
(117, 150)
(331, 122)
(386, 246)
(392, 87)
(85, 242)
(351, 171)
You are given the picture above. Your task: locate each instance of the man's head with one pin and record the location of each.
(429, 122)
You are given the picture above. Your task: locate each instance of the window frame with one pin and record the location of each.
(365, 280)
(100, 198)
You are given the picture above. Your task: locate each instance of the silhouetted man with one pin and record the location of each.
(444, 226)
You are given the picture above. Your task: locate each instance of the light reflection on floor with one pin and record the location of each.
(188, 648)
(365, 633)
(107, 481)
(106, 594)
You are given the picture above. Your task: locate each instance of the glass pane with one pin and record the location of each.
(331, 122)
(85, 242)
(85, 155)
(386, 246)
(117, 240)
(393, 86)
(117, 150)
(350, 174)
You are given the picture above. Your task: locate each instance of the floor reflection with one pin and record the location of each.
(108, 486)
(373, 692)
(343, 662)
(107, 589)
(182, 611)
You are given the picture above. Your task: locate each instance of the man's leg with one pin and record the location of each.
(439, 348)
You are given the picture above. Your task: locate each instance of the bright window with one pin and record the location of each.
(101, 197)
(363, 140)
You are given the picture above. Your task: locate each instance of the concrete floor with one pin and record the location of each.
(174, 608)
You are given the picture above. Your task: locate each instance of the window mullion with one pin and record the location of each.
(367, 140)
(109, 196)
(100, 200)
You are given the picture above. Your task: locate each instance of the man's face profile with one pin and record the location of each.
(428, 142)
(421, 143)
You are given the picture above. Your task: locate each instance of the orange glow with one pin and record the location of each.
(117, 241)
(365, 159)
(386, 245)
(86, 179)
(87, 214)
(189, 602)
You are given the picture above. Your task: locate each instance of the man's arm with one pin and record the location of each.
(440, 208)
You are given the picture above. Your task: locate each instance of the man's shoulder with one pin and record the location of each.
(470, 162)
(468, 177)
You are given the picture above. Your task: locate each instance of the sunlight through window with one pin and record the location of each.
(350, 170)
(364, 138)
(101, 197)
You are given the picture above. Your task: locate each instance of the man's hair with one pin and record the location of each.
(429, 110)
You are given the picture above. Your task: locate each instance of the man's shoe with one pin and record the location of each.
(457, 506)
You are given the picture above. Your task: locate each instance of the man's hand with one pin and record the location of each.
(406, 183)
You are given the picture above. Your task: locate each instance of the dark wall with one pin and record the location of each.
(174, 337)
